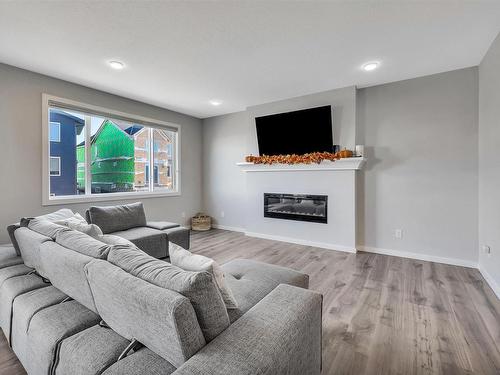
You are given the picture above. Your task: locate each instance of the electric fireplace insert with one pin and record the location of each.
(301, 207)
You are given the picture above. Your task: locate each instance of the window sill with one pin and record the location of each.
(53, 201)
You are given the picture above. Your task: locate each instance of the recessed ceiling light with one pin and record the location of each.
(368, 67)
(215, 102)
(116, 65)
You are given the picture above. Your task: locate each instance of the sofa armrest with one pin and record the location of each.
(280, 335)
(161, 225)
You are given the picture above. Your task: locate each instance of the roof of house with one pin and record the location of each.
(77, 120)
(125, 127)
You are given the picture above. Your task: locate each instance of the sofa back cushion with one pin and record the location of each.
(65, 269)
(159, 318)
(83, 244)
(29, 245)
(77, 222)
(116, 218)
(46, 227)
(72, 239)
(199, 287)
(11, 229)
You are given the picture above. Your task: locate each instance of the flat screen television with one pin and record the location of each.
(297, 132)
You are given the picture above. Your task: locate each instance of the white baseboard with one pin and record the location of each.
(417, 256)
(490, 280)
(225, 227)
(303, 242)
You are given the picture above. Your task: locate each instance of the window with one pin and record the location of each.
(55, 166)
(107, 154)
(55, 132)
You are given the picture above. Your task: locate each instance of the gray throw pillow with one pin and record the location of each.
(77, 222)
(195, 262)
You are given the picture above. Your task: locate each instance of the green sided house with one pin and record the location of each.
(119, 159)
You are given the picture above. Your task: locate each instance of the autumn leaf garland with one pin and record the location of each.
(311, 158)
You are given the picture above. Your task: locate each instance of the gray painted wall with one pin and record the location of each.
(421, 137)
(225, 139)
(489, 162)
(228, 138)
(21, 146)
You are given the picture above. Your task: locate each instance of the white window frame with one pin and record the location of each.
(58, 131)
(48, 200)
(59, 162)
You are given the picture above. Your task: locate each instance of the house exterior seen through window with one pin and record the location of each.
(92, 155)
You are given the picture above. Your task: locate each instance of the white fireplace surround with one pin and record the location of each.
(336, 179)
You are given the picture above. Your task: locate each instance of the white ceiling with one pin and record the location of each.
(180, 55)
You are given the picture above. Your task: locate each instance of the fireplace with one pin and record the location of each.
(301, 207)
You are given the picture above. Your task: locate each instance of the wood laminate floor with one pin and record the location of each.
(381, 314)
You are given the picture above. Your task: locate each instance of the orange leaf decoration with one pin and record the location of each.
(314, 157)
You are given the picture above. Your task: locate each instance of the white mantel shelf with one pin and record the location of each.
(326, 165)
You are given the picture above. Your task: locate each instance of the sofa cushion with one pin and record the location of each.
(48, 328)
(29, 244)
(24, 308)
(65, 270)
(115, 218)
(194, 262)
(12, 271)
(250, 281)
(8, 256)
(199, 287)
(90, 352)
(83, 244)
(159, 318)
(115, 240)
(149, 240)
(246, 269)
(77, 222)
(281, 335)
(58, 215)
(161, 225)
(46, 227)
(11, 288)
(144, 362)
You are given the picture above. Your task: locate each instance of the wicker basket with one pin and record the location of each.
(201, 222)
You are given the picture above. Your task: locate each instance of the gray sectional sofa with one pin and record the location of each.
(129, 221)
(73, 304)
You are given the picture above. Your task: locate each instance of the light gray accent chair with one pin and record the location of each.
(129, 222)
(103, 295)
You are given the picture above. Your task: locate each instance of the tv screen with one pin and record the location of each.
(298, 132)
